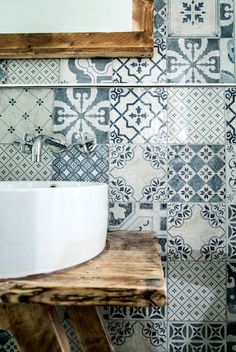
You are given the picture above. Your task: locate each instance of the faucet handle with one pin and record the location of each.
(85, 142)
(25, 143)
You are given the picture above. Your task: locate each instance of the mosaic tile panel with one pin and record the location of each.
(138, 115)
(25, 111)
(227, 18)
(72, 165)
(17, 166)
(79, 110)
(138, 173)
(227, 60)
(85, 70)
(3, 71)
(160, 18)
(196, 291)
(231, 292)
(230, 102)
(193, 60)
(141, 70)
(196, 115)
(232, 232)
(196, 173)
(31, 71)
(196, 232)
(193, 18)
(230, 173)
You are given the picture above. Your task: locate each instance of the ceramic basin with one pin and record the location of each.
(49, 226)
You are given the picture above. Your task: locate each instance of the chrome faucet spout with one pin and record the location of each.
(37, 148)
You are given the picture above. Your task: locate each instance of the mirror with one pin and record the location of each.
(112, 28)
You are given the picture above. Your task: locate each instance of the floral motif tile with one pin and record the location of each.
(232, 232)
(141, 70)
(230, 101)
(196, 336)
(227, 60)
(196, 115)
(231, 292)
(231, 173)
(72, 165)
(30, 71)
(3, 71)
(196, 291)
(160, 18)
(7, 343)
(193, 18)
(193, 60)
(138, 115)
(79, 110)
(25, 111)
(227, 18)
(196, 173)
(138, 173)
(85, 70)
(17, 166)
(134, 313)
(231, 336)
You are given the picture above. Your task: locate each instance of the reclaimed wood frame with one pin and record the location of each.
(138, 43)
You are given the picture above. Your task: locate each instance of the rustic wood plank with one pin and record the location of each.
(128, 273)
(35, 327)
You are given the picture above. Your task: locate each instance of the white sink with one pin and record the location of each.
(49, 226)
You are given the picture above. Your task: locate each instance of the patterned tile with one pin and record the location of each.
(25, 110)
(17, 166)
(196, 291)
(134, 313)
(138, 173)
(232, 232)
(193, 60)
(86, 70)
(196, 115)
(196, 336)
(231, 292)
(64, 318)
(7, 343)
(72, 165)
(82, 110)
(196, 173)
(227, 18)
(227, 60)
(230, 101)
(153, 70)
(230, 173)
(138, 115)
(3, 71)
(33, 71)
(193, 18)
(159, 18)
(231, 337)
(196, 232)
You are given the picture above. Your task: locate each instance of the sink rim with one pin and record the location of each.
(10, 186)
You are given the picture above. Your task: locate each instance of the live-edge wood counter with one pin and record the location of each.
(128, 273)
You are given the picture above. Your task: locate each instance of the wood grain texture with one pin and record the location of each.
(138, 43)
(128, 273)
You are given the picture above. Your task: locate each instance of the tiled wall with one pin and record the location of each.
(169, 156)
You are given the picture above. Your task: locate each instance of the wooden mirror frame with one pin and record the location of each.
(138, 43)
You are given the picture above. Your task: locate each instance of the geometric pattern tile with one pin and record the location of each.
(196, 173)
(25, 111)
(230, 102)
(17, 166)
(232, 232)
(227, 18)
(79, 110)
(138, 115)
(196, 336)
(159, 18)
(3, 71)
(227, 60)
(196, 115)
(193, 18)
(197, 291)
(231, 336)
(231, 292)
(133, 313)
(140, 70)
(193, 60)
(69, 331)
(72, 165)
(196, 232)
(30, 71)
(86, 70)
(138, 173)
(231, 173)
(7, 342)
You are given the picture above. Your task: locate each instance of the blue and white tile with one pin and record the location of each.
(138, 173)
(66, 324)
(86, 70)
(25, 111)
(193, 18)
(227, 60)
(231, 336)
(3, 71)
(196, 232)
(232, 232)
(230, 105)
(197, 336)
(17, 166)
(231, 292)
(79, 110)
(227, 18)
(196, 291)
(231, 173)
(141, 70)
(160, 18)
(193, 60)
(196, 115)
(7, 343)
(138, 115)
(196, 173)
(31, 71)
